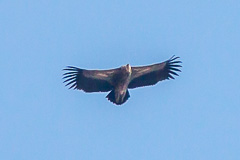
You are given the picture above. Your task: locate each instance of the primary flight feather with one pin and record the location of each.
(119, 80)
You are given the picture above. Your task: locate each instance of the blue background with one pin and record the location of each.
(195, 116)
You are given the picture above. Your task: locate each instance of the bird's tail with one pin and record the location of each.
(117, 100)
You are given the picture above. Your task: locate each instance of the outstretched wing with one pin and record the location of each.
(150, 75)
(89, 80)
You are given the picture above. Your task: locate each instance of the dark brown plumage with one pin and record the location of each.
(119, 80)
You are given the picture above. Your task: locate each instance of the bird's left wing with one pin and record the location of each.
(89, 80)
(150, 75)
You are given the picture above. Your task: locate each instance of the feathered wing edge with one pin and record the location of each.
(172, 67)
(71, 76)
(87, 80)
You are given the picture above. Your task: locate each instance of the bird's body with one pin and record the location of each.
(119, 80)
(120, 93)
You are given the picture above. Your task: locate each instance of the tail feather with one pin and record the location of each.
(111, 97)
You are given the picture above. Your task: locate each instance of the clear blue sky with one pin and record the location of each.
(196, 116)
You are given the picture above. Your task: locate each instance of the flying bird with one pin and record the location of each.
(119, 80)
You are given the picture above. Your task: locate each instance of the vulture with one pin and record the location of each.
(119, 80)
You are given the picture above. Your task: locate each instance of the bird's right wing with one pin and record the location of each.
(89, 80)
(150, 75)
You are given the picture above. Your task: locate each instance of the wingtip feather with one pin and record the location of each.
(173, 66)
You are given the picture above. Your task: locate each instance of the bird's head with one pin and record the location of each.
(127, 68)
